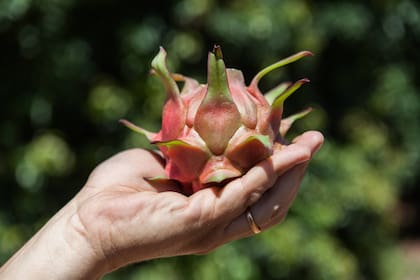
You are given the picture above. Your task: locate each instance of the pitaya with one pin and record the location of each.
(215, 132)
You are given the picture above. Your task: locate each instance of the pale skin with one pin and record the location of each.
(119, 218)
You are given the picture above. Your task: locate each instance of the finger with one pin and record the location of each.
(272, 208)
(246, 191)
(313, 139)
(274, 205)
(229, 202)
(127, 168)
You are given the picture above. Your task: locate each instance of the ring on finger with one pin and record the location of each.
(251, 222)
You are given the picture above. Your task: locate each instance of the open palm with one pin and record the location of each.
(126, 219)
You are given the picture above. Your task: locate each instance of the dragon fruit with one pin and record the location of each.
(215, 132)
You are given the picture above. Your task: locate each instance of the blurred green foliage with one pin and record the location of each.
(70, 69)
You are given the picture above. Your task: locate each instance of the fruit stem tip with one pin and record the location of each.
(217, 50)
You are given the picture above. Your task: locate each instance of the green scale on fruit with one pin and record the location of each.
(215, 132)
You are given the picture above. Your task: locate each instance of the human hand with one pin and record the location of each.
(127, 219)
(120, 218)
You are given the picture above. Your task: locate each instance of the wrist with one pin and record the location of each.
(57, 251)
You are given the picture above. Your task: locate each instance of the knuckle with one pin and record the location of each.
(201, 214)
(253, 197)
(281, 217)
(278, 215)
(305, 153)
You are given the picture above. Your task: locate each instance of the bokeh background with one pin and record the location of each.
(69, 69)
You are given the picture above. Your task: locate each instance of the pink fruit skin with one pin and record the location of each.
(215, 132)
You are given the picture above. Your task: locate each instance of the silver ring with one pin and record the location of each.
(251, 222)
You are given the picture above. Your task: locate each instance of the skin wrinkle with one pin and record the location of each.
(217, 201)
(76, 251)
(113, 254)
(210, 210)
(201, 238)
(255, 195)
(305, 154)
(106, 245)
(80, 228)
(277, 209)
(278, 218)
(287, 201)
(100, 249)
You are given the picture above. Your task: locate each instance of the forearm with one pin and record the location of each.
(56, 251)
